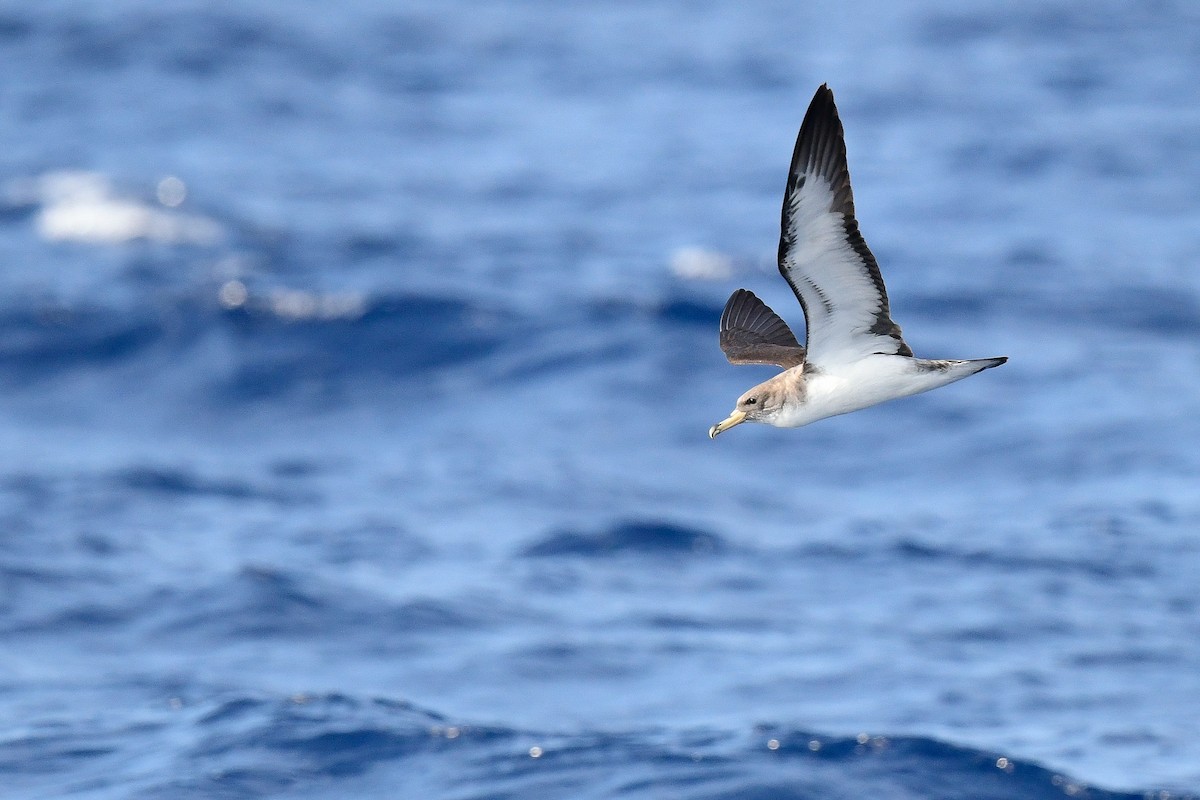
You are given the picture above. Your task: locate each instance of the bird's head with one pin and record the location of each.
(761, 404)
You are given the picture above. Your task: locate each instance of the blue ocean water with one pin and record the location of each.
(356, 364)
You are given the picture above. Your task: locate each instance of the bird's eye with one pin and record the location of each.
(751, 401)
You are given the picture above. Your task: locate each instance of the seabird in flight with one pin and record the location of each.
(855, 356)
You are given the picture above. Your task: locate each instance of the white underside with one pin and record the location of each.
(864, 383)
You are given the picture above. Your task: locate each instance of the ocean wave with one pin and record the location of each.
(181, 482)
(237, 343)
(265, 601)
(627, 537)
(392, 336)
(245, 746)
(48, 340)
(1018, 562)
(265, 346)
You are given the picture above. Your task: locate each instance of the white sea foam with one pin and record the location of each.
(81, 206)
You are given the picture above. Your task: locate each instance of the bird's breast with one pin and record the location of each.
(830, 391)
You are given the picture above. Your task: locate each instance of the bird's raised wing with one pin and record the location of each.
(751, 333)
(823, 256)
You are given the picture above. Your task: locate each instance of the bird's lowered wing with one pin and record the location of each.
(751, 333)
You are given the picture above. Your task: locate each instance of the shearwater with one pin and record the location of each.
(855, 356)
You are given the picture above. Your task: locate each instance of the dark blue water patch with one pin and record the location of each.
(269, 602)
(297, 468)
(368, 541)
(1034, 160)
(258, 351)
(360, 247)
(1127, 658)
(310, 745)
(684, 311)
(559, 353)
(181, 482)
(37, 341)
(83, 602)
(1080, 80)
(1001, 632)
(1149, 309)
(958, 29)
(672, 308)
(88, 617)
(695, 622)
(320, 723)
(25, 491)
(59, 750)
(320, 348)
(249, 746)
(1025, 26)
(959, 306)
(395, 337)
(927, 768)
(214, 45)
(670, 334)
(13, 27)
(627, 537)
(11, 211)
(264, 602)
(13, 579)
(1023, 161)
(258, 602)
(189, 42)
(373, 748)
(1101, 567)
(580, 659)
(205, 43)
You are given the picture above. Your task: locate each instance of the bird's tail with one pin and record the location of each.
(980, 364)
(941, 372)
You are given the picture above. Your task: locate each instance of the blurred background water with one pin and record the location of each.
(356, 363)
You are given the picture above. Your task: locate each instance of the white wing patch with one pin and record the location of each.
(823, 256)
(841, 301)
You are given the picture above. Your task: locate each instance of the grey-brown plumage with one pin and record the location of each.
(751, 333)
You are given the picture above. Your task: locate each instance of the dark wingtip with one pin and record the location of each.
(821, 140)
